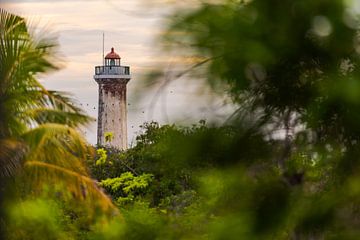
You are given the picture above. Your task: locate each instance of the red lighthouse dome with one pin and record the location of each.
(112, 55)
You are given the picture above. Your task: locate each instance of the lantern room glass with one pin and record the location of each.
(112, 62)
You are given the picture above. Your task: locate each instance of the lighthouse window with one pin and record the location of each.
(112, 62)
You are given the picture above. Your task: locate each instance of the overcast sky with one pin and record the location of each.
(131, 28)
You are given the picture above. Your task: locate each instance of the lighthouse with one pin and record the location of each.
(112, 116)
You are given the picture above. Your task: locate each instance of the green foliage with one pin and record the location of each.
(101, 152)
(141, 223)
(292, 67)
(109, 136)
(127, 186)
(170, 153)
(36, 219)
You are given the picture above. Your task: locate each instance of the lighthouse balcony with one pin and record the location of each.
(112, 70)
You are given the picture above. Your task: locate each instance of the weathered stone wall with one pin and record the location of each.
(112, 112)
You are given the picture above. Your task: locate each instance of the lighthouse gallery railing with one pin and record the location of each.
(112, 70)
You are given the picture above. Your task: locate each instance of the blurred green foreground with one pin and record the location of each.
(285, 165)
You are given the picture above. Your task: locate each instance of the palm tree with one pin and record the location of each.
(38, 139)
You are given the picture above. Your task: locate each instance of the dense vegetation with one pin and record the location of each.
(284, 166)
(41, 153)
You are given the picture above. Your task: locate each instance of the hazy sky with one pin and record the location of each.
(131, 28)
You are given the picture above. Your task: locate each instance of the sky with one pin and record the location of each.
(132, 27)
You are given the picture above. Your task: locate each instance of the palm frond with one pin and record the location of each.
(45, 115)
(39, 122)
(57, 143)
(62, 101)
(20, 55)
(21, 59)
(12, 153)
(77, 185)
(56, 157)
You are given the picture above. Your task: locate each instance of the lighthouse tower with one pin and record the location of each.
(112, 117)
